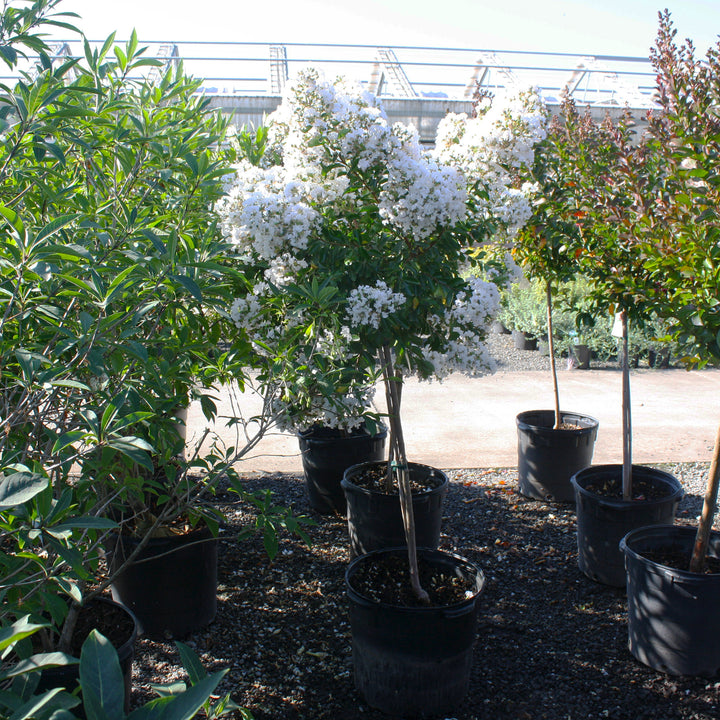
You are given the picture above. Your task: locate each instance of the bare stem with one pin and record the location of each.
(551, 350)
(702, 539)
(626, 412)
(397, 442)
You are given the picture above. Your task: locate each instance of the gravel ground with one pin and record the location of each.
(551, 643)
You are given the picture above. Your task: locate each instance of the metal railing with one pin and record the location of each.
(233, 69)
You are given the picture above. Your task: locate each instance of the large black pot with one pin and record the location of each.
(374, 517)
(603, 521)
(116, 623)
(327, 453)
(171, 586)
(548, 458)
(673, 615)
(413, 661)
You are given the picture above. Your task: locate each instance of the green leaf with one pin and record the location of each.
(190, 285)
(54, 226)
(136, 449)
(20, 487)
(39, 661)
(180, 707)
(39, 704)
(13, 218)
(20, 629)
(88, 522)
(67, 439)
(101, 679)
(271, 541)
(191, 663)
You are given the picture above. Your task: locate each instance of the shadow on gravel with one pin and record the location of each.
(551, 643)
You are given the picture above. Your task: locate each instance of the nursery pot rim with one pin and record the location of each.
(411, 466)
(666, 530)
(320, 433)
(666, 477)
(524, 425)
(159, 546)
(427, 610)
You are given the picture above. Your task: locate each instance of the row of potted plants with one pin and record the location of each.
(635, 216)
(577, 332)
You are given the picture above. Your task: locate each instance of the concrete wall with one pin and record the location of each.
(423, 113)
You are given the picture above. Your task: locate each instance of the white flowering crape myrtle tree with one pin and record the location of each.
(357, 245)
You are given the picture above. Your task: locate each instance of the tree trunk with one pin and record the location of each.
(393, 390)
(551, 350)
(626, 413)
(697, 562)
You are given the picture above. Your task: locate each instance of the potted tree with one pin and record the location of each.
(612, 499)
(673, 572)
(552, 445)
(359, 235)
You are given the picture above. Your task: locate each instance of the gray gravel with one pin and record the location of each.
(551, 643)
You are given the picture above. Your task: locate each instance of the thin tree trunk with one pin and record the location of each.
(626, 413)
(697, 562)
(397, 442)
(551, 350)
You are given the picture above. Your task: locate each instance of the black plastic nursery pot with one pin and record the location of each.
(326, 454)
(115, 622)
(524, 340)
(603, 521)
(171, 587)
(374, 517)
(548, 458)
(413, 661)
(673, 615)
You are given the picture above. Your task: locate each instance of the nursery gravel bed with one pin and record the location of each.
(551, 643)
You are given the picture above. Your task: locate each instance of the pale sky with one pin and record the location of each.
(615, 27)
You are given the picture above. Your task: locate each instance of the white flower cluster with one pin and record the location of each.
(477, 305)
(464, 326)
(467, 355)
(343, 412)
(368, 305)
(420, 195)
(265, 213)
(491, 147)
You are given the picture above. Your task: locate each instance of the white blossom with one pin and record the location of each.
(370, 305)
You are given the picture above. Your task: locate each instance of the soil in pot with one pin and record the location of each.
(387, 580)
(374, 518)
(326, 454)
(171, 586)
(673, 619)
(604, 517)
(113, 621)
(548, 457)
(410, 660)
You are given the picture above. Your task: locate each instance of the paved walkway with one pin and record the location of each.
(469, 423)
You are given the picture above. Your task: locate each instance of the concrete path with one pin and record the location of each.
(470, 423)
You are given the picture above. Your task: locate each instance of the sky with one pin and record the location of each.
(591, 27)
